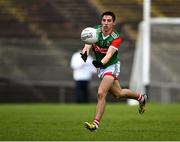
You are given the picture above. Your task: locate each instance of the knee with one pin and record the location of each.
(101, 94)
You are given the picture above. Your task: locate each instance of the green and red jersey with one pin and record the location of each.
(100, 48)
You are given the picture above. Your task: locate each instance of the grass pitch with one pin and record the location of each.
(60, 122)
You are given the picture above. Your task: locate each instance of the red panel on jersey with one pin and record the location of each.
(116, 42)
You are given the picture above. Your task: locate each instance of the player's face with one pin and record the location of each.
(107, 23)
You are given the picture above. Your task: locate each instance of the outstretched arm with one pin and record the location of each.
(85, 52)
(86, 48)
(112, 49)
(109, 54)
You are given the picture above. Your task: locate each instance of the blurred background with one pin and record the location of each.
(38, 38)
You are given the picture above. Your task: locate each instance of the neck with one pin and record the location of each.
(105, 33)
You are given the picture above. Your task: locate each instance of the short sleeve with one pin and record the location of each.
(116, 42)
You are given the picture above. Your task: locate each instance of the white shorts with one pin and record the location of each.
(112, 70)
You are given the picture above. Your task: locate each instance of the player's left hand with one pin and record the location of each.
(97, 64)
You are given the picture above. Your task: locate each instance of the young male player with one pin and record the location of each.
(108, 68)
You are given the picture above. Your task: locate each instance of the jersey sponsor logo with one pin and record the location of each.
(99, 49)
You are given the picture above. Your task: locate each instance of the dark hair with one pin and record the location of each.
(110, 13)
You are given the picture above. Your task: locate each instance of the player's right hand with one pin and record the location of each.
(84, 56)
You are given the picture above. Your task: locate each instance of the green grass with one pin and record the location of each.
(59, 122)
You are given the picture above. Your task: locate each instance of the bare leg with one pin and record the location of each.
(123, 93)
(104, 87)
(109, 84)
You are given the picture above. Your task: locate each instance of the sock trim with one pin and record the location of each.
(139, 97)
(96, 123)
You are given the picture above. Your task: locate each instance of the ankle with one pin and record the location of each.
(96, 123)
(140, 98)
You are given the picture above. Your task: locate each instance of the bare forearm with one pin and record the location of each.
(106, 59)
(86, 48)
(108, 56)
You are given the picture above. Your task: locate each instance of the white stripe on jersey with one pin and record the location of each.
(114, 35)
(114, 47)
